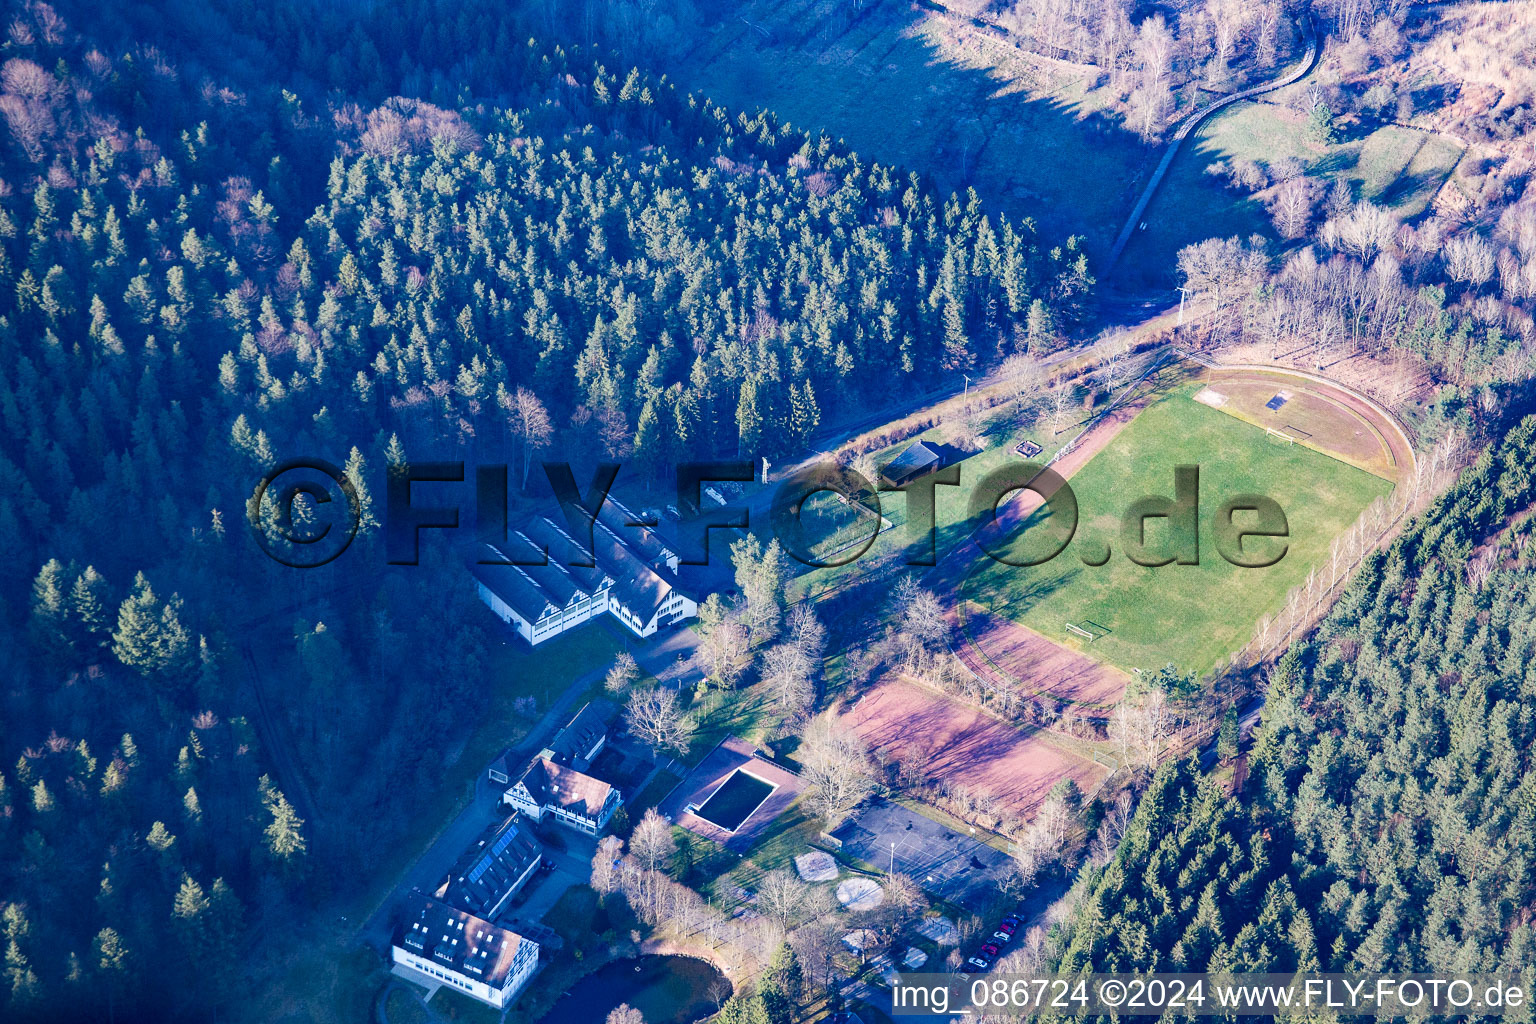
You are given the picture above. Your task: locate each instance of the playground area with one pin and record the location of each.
(952, 866)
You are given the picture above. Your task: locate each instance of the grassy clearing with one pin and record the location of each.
(451, 1004)
(898, 86)
(654, 792)
(403, 1008)
(749, 713)
(951, 511)
(329, 981)
(544, 672)
(1192, 616)
(1392, 166)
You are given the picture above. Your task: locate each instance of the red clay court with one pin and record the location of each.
(1012, 655)
(964, 745)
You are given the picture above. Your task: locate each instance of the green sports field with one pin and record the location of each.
(1190, 615)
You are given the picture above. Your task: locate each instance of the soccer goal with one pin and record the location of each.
(1077, 630)
(1280, 436)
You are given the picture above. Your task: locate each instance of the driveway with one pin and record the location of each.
(572, 866)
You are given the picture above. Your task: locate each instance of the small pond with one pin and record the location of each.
(665, 989)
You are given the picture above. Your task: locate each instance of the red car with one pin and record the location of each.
(989, 951)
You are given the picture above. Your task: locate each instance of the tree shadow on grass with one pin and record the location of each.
(879, 80)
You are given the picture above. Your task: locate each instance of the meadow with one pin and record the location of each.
(1390, 165)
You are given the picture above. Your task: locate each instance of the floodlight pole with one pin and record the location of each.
(967, 393)
(1183, 293)
(891, 868)
(765, 469)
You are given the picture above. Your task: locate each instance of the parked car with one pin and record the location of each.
(1010, 923)
(976, 963)
(990, 951)
(1001, 938)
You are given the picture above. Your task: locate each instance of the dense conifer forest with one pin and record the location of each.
(379, 232)
(1388, 820)
(223, 246)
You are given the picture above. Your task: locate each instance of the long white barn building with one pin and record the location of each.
(633, 579)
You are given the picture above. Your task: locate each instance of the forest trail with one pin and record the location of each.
(1194, 121)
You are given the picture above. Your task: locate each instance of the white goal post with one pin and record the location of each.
(1280, 435)
(1085, 634)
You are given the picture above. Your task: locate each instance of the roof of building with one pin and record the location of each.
(555, 784)
(643, 593)
(458, 940)
(489, 870)
(583, 731)
(565, 552)
(642, 540)
(511, 583)
(918, 458)
(633, 559)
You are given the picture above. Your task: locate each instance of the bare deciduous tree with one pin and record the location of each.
(654, 716)
(1024, 378)
(624, 1014)
(904, 896)
(1141, 728)
(786, 900)
(787, 673)
(652, 842)
(803, 629)
(605, 863)
(529, 422)
(624, 672)
(723, 644)
(1363, 232)
(837, 768)
(1111, 829)
(1469, 261)
(1292, 206)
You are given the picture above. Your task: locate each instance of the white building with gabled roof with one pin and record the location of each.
(449, 946)
(632, 578)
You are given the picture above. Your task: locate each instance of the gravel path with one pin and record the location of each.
(1195, 120)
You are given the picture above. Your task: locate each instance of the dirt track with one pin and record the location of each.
(1392, 433)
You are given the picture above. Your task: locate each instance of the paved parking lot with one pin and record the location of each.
(944, 862)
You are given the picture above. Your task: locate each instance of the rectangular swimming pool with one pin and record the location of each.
(733, 803)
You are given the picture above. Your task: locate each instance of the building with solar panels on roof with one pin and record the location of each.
(449, 935)
(441, 944)
(493, 870)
